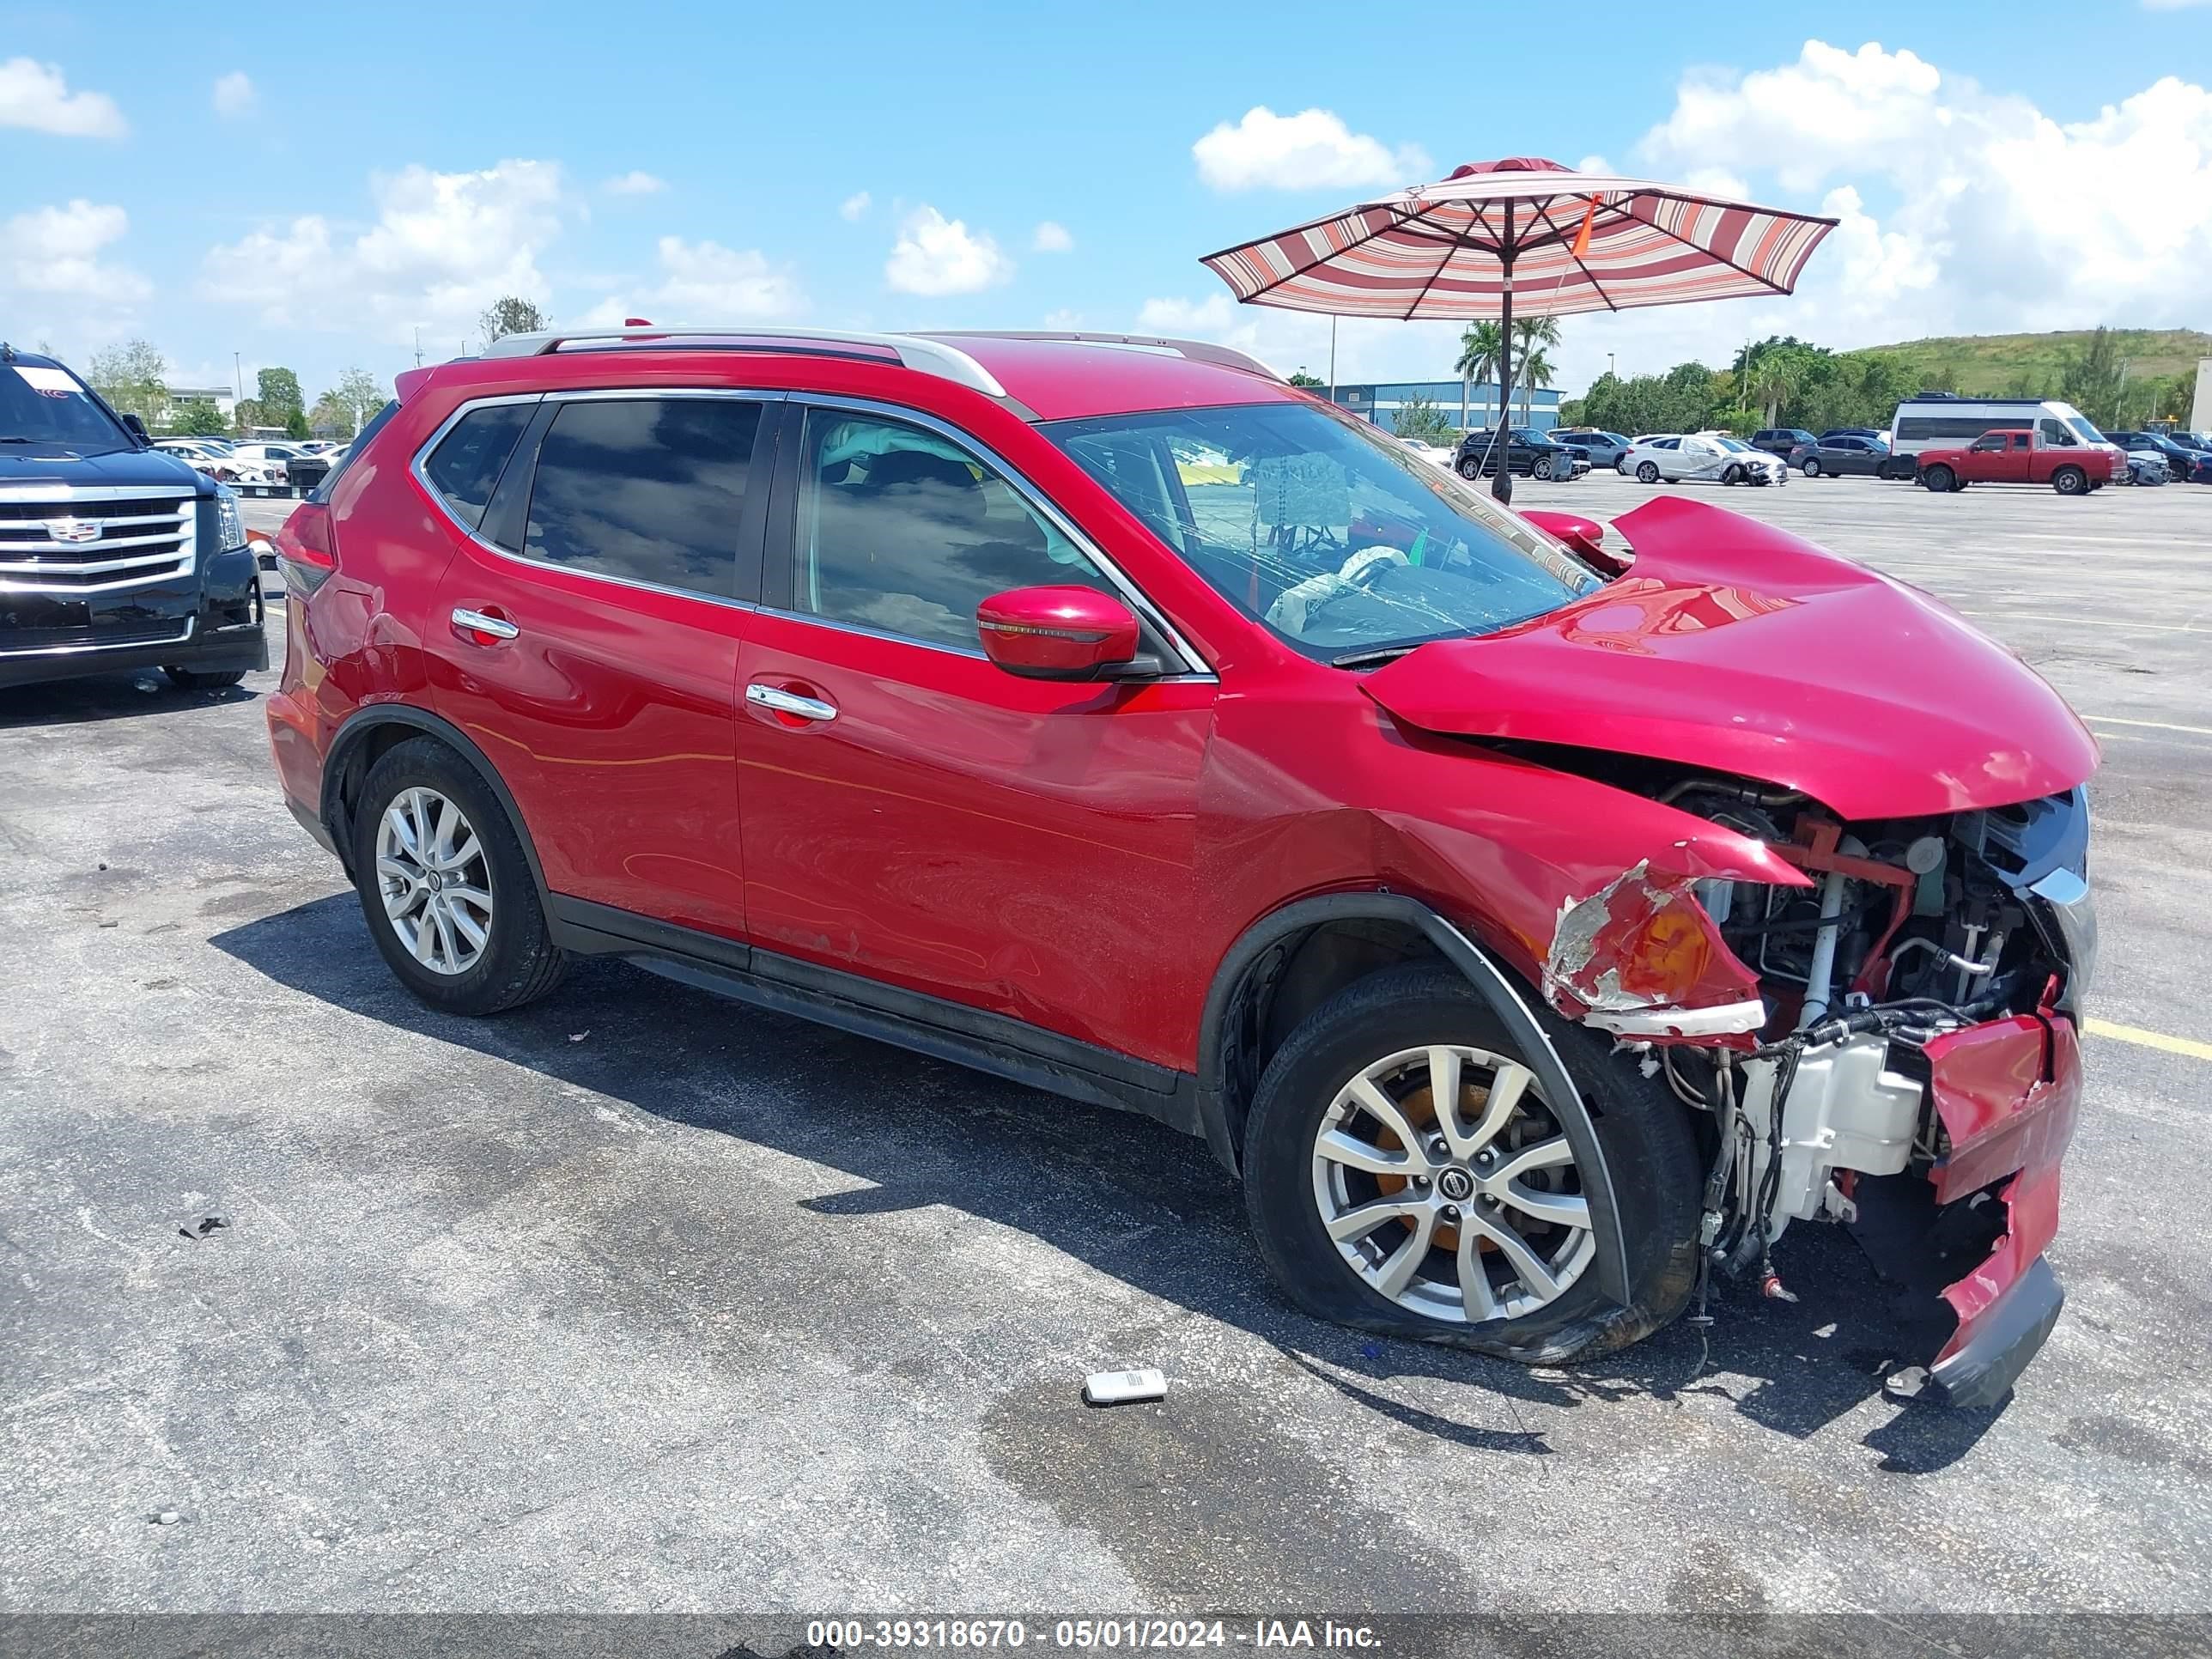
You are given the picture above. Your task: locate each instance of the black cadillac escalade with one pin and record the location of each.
(112, 554)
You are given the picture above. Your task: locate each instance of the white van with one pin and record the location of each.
(1937, 420)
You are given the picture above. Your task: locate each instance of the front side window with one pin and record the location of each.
(2055, 432)
(468, 460)
(645, 489)
(1342, 543)
(907, 532)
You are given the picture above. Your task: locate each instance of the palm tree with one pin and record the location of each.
(1529, 332)
(1776, 373)
(1535, 371)
(1481, 348)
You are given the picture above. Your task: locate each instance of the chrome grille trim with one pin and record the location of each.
(32, 562)
(183, 634)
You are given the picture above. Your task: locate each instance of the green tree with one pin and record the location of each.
(296, 424)
(133, 377)
(1311, 382)
(329, 417)
(1535, 370)
(355, 398)
(2092, 380)
(246, 415)
(198, 418)
(1481, 348)
(278, 394)
(1421, 420)
(511, 314)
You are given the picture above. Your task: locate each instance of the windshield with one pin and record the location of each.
(1344, 543)
(2083, 430)
(49, 409)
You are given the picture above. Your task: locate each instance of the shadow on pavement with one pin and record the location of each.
(108, 698)
(1123, 1194)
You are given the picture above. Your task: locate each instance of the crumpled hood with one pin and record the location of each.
(1733, 645)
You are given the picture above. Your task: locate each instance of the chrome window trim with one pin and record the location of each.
(418, 469)
(1196, 667)
(119, 645)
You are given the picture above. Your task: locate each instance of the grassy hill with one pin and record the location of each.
(1994, 365)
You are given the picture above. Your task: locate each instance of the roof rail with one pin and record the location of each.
(913, 351)
(1199, 351)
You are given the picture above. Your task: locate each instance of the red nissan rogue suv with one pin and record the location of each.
(1538, 917)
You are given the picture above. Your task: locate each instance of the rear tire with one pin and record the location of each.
(1940, 480)
(1809, 467)
(1648, 472)
(515, 961)
(1470, 469)
(1393, 1019)
(201, 679)
(2070, 481)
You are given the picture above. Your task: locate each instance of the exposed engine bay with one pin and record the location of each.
(1917, 939)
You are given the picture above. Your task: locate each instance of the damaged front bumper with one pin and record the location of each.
(2008, 1093)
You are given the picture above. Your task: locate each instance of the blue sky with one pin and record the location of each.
(309, 185)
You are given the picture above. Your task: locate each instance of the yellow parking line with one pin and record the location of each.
(2162, 725)
(2172, 1045)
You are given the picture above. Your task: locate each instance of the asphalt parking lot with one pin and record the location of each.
(637, 1299)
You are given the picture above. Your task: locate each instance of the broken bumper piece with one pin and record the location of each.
(2008, 1093)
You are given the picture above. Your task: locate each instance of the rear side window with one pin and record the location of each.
(376, 424)
(645, 489)
(466, 464)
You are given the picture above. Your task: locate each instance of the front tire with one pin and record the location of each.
(1542, 472)
(1732, 475)
(445, 886)
(1372, 1210)
(1647, 472)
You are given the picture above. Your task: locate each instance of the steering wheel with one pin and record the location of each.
(1297, 603)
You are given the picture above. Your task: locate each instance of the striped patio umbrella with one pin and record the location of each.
(1523, 234)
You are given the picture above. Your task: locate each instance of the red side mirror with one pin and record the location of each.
(1584, 535)
(1057, 633)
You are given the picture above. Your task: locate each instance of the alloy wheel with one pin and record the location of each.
(1448, 1186)
(1647, 473)
(435, 881)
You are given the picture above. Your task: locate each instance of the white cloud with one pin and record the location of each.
(937, 256)
(634, 183)
(1051, 238)
(1063, 320)
(855, 206)
(707, 283)
(1310, 150)
(234, 95)
(55, 250)
(444, 246)
(37, 96)
(1962, 211)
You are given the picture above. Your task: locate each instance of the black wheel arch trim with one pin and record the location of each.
(1490, 982)
(336, 812)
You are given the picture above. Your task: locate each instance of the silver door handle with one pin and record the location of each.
(477, 623)
(790, 702)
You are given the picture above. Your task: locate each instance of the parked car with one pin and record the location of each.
(1675, 457)
(1781, 440)
(288, 463)
(1428, 452)
(2147, 466)
(113, 556)
(219, 461)
(2048, 452)
(1943, 420)
(1604, 448)
(1836, 457)
(1854, 432)
(1527, 450)
(2180, 458)
(1015, 709)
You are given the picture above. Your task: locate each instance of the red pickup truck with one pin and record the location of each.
(2029, 455)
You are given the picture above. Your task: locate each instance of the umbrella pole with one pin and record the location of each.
(1501, 487)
